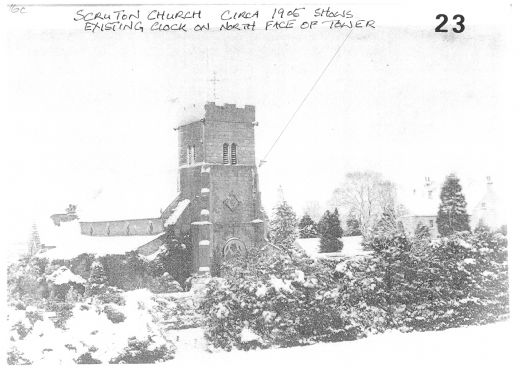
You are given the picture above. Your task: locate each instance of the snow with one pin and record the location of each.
(63, 276)
(247, 335)
(89, 328)
(476, 346)
(261, 291)
(204, 190)
(204, 242)
(204, 213)
(69, 242)
(351, 247)
(201, 223)
(152, 256)
(181, 206)
(257, 221)
(280, 284)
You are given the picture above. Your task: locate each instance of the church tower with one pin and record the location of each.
(218, 185)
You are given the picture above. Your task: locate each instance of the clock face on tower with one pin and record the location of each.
(231, 201)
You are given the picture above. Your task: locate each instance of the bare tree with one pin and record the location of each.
(365, 195)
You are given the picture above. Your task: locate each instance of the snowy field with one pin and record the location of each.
(477, 346)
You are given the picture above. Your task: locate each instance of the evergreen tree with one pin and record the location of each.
(330, 232)
(452, 216)
(353, 226)
(387, 224)
(308, 228)
(97, 280)
(284, 226)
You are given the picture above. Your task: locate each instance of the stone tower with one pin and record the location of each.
(218, 197)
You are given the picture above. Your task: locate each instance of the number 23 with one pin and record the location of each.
(460, 22)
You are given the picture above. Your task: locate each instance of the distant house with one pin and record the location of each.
(488, 210)
(423, 205)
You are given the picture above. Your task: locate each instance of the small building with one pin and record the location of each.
(422, 207)
(488, 210)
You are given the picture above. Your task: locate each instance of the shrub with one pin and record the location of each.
(86, 358)
(113, 314)
(111, 295)
(144, 352)
(15, 357)
(284, 300)
(165, 284)
(63, 312)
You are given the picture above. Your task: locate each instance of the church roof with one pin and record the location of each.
(179, 209)
(66, 241)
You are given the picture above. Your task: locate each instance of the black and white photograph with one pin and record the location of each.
(259, 184)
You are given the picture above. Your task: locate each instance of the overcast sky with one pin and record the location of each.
(92, 116)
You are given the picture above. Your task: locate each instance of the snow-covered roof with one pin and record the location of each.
(116, 199)
(68, 242)
(63, 276)
(181, 206)
(351, 247)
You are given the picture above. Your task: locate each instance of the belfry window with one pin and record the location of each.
(225, 154)
(233, 154)
(190, 155)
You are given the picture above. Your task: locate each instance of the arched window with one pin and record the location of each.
(225, 154)
(190, 155)
(233, 154)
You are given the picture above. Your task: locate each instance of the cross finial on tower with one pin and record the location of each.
(214, 81)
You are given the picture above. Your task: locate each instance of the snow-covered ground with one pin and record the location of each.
(351, 247)
(477, 346)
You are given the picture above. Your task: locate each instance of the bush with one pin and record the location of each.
(63, 312)
(112, 295)
(113, 314)
(86, 358)
(15, 357)
(279, 300)
(460, 280)
(144, 352)
(165, 284)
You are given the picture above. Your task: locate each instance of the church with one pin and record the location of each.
(218, 202)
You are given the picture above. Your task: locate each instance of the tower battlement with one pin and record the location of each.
(229, 113)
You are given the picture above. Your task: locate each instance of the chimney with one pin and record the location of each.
(428, 186)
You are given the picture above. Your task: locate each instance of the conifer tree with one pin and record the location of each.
(308, 228)
(452, 216)
(330, 232)
(97, 280)
(284, 226)
(353, 226)
(387, 223)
